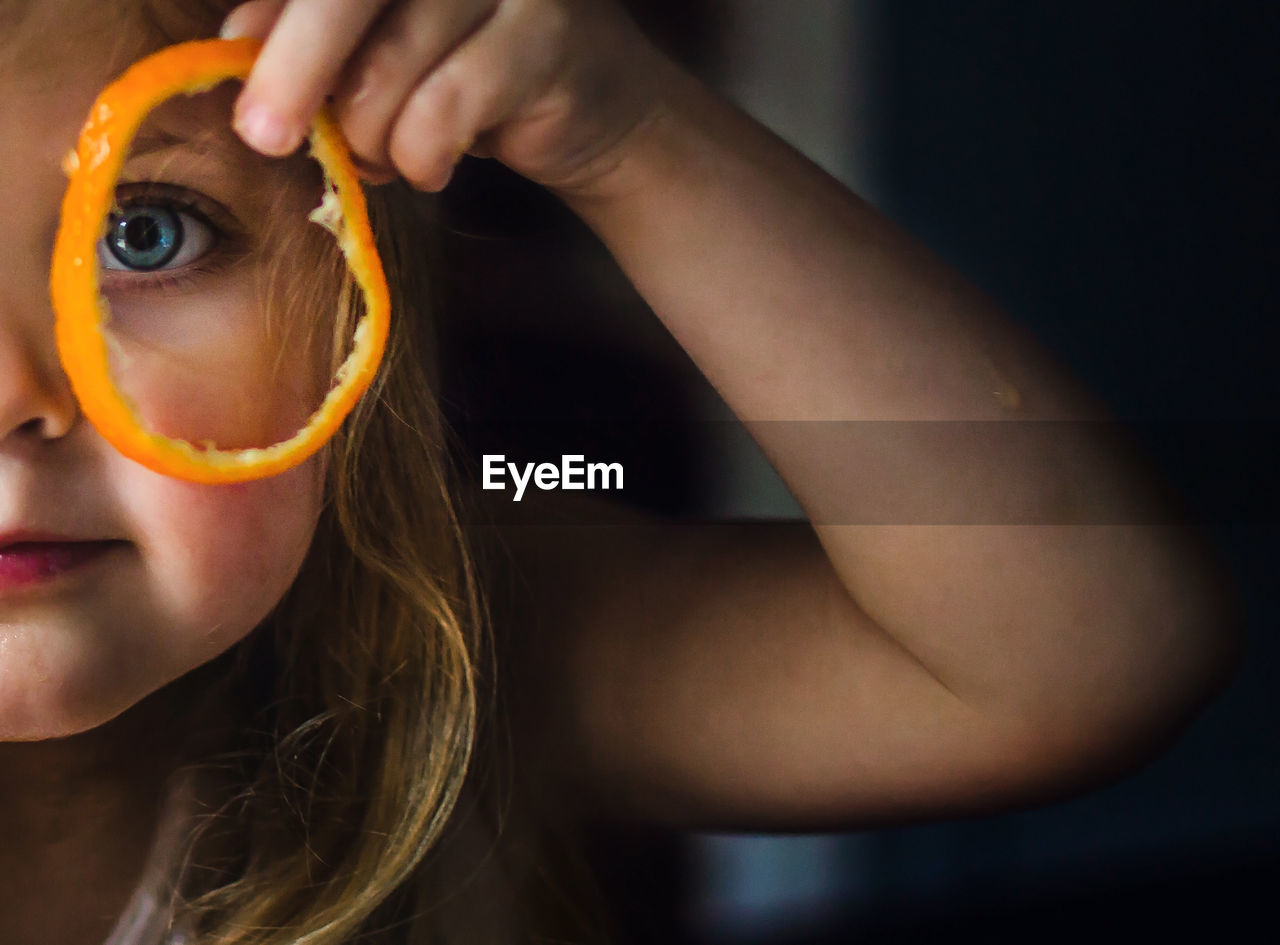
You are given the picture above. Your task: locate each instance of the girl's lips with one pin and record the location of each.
(28, 563)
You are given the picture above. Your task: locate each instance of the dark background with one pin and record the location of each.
(1107, 172)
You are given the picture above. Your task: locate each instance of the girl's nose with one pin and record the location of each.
(36, 401)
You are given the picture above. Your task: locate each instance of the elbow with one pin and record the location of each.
(1131, 714)
(1148, 728)
(1197, 649)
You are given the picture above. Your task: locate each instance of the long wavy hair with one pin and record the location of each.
(362, 786)
(359, 694)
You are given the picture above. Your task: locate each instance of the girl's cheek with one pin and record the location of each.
(210, 365)
(210, 368)
(221, 556)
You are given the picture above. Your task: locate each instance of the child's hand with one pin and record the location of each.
(548, 87)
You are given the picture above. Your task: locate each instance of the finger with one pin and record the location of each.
(373, 173)
(503, 65)
(299, 62)
(254, 19)
(400, 49)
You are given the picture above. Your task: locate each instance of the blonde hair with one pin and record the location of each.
(358, 696)
(372, 793)
(363, 681)
(363, 783)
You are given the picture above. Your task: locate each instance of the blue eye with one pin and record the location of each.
(145, 237)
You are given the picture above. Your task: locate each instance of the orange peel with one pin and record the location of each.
(80, 311)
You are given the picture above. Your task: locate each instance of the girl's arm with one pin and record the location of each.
(774, 675)
(839, 673)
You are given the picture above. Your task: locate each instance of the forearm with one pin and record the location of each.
(763, 266)
(1019, 562)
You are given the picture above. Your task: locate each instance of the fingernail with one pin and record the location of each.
(448, 173)
(265, 132)
(229, 29)
(447, 178)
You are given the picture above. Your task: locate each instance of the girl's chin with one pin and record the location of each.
(27, 720)
(65, 694)
(42, 723)
(79, 720)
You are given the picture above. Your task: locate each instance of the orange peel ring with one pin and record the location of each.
(80, 310)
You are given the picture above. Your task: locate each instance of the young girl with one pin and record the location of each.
(272, 712)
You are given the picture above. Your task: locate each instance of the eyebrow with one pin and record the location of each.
(158, 139)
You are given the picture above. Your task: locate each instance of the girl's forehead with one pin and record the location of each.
(43, 41)
(56, 56)
(194, 133)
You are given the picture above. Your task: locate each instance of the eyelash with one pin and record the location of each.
(227, 245)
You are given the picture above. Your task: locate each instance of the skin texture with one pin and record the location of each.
(208, 357)
(85, 659)
(548, 87)
(972, 620)
(78, 652)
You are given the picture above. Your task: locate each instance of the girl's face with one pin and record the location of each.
(174, 573)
